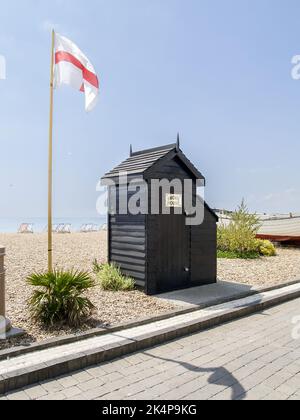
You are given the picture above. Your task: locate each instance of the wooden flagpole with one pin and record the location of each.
(50, 164)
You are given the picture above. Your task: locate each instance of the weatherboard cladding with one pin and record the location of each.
(128, 246)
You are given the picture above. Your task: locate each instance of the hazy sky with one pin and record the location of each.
(219, 72)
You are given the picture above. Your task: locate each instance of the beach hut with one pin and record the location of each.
(160, 250)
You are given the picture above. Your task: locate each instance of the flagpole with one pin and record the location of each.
(50, 163)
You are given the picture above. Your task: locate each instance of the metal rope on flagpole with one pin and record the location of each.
(50, 163)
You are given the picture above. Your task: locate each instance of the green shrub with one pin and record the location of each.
(111, 279)
(59, 297)
(266, 248)
(239, 236)
(231, 255)
(236, 239)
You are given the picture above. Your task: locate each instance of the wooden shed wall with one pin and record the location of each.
(127, 243)
(128, 246)
(204, 251)
(169, 169)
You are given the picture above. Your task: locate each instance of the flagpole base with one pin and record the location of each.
(5, 325)
(7, 331)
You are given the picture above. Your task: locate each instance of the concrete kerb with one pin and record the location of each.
(68, 364)
(97, 332)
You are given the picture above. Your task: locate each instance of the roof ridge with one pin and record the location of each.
(155, 149)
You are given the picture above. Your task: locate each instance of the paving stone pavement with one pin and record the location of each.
(253, 358)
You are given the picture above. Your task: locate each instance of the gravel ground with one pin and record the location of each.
(27, 253)
(281, 269)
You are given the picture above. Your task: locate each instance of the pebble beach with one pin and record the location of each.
(28, 253)
(262, 272)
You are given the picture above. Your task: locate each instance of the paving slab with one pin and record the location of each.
(212, 294)
(38, 366)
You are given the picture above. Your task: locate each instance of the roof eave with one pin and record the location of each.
(190, 166)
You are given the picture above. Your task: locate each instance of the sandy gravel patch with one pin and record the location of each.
(265, 272)
(28, 253)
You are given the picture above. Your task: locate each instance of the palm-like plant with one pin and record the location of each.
(59, 298)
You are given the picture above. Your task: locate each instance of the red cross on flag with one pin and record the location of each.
(73, 68)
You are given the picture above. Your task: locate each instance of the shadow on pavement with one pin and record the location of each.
(219, 376)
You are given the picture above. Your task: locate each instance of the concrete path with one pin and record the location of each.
(208, 295)
(252, 358)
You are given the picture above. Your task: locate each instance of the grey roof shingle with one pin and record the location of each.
(138, 163)
(141, 161)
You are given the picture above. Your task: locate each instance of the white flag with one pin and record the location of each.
(73, 68)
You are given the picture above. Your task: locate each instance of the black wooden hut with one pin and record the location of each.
(160, 251)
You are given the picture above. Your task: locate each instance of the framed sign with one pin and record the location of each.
(174, 201)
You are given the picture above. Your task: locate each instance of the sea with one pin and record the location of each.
(11, 225)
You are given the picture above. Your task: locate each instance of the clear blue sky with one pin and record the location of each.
(219, 72)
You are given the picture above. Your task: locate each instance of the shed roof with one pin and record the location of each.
(140, 162)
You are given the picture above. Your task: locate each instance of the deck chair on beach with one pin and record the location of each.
(59, 228)
(83, 229)
(87, 228)
(68, 228)
(90, 228)
(64, 228)
(26, 228)
(54, 228)
(95, 228)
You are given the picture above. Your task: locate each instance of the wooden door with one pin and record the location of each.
(173, 253)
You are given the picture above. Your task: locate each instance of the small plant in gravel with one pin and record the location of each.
(111, 278)
(59, 297)
(238, 238)
(97, 266)
(266, 248)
